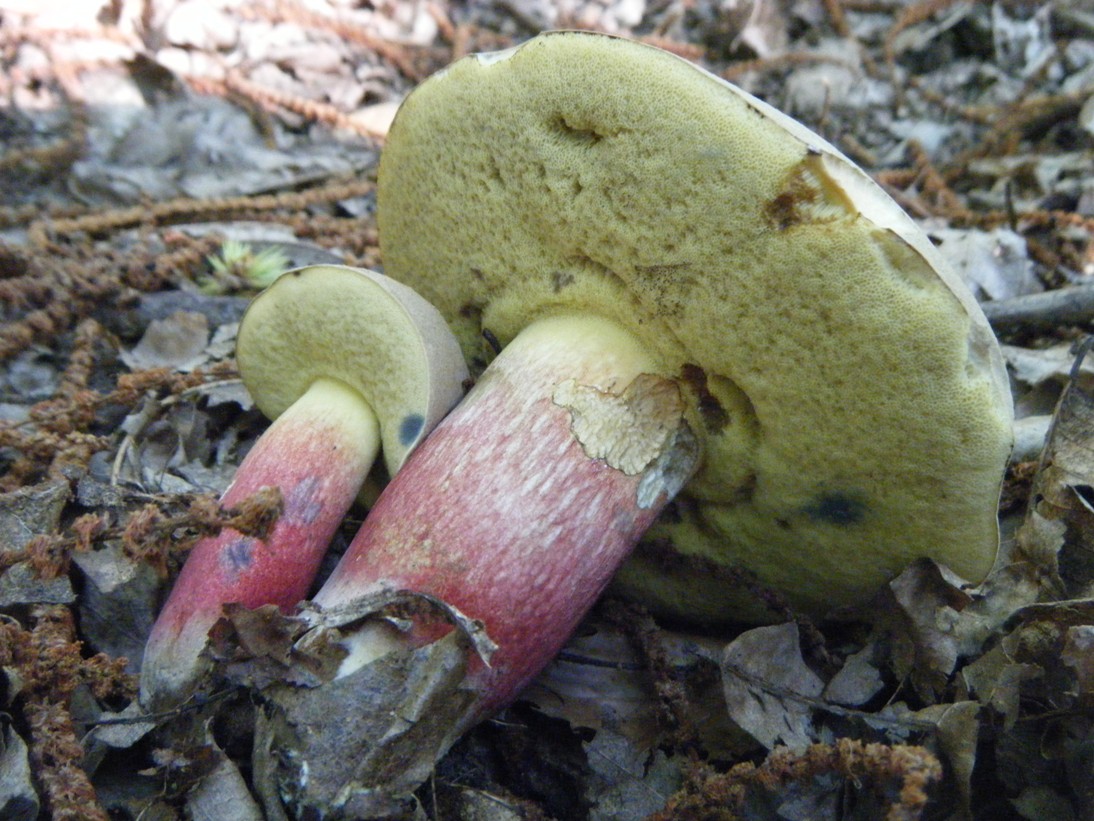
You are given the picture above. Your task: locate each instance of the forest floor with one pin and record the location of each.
(157, 155)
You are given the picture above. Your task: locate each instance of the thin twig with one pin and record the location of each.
(1034, 312)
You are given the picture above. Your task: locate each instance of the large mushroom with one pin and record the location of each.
(344, 360)
(635, 232)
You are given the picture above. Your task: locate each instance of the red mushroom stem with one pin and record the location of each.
(522, 503)
(318, 453)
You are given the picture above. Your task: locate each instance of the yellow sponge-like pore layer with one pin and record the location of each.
(373, 335)
(849, 395)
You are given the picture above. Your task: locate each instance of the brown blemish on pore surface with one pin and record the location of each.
(782, 211)
(809, 195)
(714, 416)
(560, 279)
(666, 271)
(669, 285)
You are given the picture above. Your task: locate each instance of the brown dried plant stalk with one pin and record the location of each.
(150, 535)
(909, 769)
(50, 666)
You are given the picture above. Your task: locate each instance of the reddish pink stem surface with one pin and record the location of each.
(502, 514)
(318, 460)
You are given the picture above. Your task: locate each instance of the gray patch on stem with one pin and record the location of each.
(239, 554)
(671, 470)
(304, 503)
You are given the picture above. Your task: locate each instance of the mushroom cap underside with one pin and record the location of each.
(363, 329)
(852, 404)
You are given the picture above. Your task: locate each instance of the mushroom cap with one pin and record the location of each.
(364, 329)
(850, 398)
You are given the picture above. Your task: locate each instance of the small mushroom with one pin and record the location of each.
(636, 232)
(343, 360)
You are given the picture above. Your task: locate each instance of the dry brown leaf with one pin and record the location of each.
(996, 681)
(176, 342)
(767, 686)
(1059, 529)
(928, 603)
(355, 743)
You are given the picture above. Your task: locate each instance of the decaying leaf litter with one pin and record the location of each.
(138, 138)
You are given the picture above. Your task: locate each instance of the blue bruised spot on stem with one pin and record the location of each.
(304, 502)
(239, 554)
(837, 509)
(410, 428)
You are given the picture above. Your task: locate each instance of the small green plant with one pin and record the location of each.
(238, 267)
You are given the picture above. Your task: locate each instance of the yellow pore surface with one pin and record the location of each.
(850, 399)
(359, 328)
